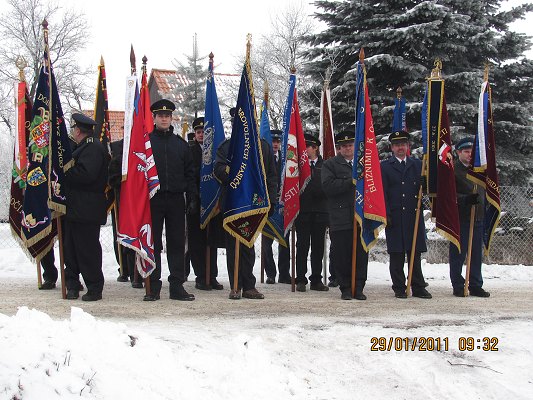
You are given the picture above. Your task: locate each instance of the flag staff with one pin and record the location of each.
(326, 234)
(293, 244)
(473, 213)
(50, 105)
(263, 260)
(355, 224)
(208, 246)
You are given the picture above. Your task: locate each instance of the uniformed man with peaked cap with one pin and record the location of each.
(401, 176)
(85, 183)
(175, 170)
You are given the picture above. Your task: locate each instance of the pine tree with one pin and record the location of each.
(402, 38)
(189, 84)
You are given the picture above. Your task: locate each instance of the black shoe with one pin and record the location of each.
(400, 295)
(346, 294)
(151, 297)
(319, 286)
(459, 292)
(360, 296)
(270, 281)
(122, 278)
(72, 294)
(47, 285)
(137, 285)
(181, 294)
(333, 283)
(285, 280)
(300, 287)
(478, 292)
(422, 293)
(202, 286)
(216, 285)
(253, 294)
(91, 296)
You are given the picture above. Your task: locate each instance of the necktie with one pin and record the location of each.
(277, 158)
(312, 164)
(350, 163)
(402, 164)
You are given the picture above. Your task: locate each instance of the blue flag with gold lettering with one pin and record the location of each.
(247, 203)
(213, 137)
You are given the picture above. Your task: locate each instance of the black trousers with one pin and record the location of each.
(268, 256)
(83, 254)
(396, 268)
(284, 259)
(341, 260)
(49, 269)
(197, 249)
(246, 264)
(310, 230)
(169, 209)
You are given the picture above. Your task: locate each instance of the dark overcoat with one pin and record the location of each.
(338, 185)
(401, 187)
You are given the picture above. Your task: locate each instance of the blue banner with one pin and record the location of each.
(247, 203)
(213, 137)
(398, 118)
(264, 127)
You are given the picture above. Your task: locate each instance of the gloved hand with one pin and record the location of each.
(472, 199)
(424, 184)
(192, 206)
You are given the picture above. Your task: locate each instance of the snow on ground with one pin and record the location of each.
(221, 355)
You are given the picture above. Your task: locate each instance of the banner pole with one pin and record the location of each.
(354, 256)
(236, 267)
(470, 239)
(293, 260)
(39, 275)
(207, 258)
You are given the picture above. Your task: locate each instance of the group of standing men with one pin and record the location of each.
(328, 201)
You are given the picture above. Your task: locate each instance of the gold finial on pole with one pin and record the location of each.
(486, 72)
(132, 61)
(145, 60)
(184, 128)
(399, 92)
(293, 69)
(327, 78)
(248, 46)
(21, 63)
(436, 72)
(102, 61)
(211, 56)
(362, 55)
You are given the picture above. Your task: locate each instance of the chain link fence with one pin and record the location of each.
(512, 243)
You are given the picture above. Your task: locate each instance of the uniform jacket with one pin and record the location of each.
(401, 197)
(270, 170)
(464, 187)
(86, 182)
(174, 163)
(313, 199)
(340, 191)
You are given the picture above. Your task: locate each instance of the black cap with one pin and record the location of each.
(163, 106)
(345, 137)
(232, 112)
(465, 143)
(311, 140)
(398, 137)
(83, 121)
(198, 123)
(276, 134)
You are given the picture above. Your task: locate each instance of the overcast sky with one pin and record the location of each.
(164, 31)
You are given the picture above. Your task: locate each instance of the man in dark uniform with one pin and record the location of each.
(115, 181)
(466, 198)
(338, 185)
(311, 222)
(49, 271)
(401, 177)
(197, 237)
(85, 184)
(246, 254)
(175, 170)
(266, 247)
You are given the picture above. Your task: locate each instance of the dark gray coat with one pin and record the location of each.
(338, 185)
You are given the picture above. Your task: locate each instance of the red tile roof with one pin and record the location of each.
(116, 123)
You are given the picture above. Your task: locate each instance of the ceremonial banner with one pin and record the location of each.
(370, 211)
(441, 176)
(135, 218)
(247, 202)
(274, 225)
(23, 111)
(326, 135)
(297, 169)
(132, 97)
(213, 137)
(398, 118)
(483, 171)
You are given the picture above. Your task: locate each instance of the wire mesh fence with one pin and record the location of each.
(512, 244)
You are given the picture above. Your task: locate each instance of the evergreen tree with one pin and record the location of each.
(402, 38)
(189, 84)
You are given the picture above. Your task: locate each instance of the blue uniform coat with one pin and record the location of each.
(401, 196)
